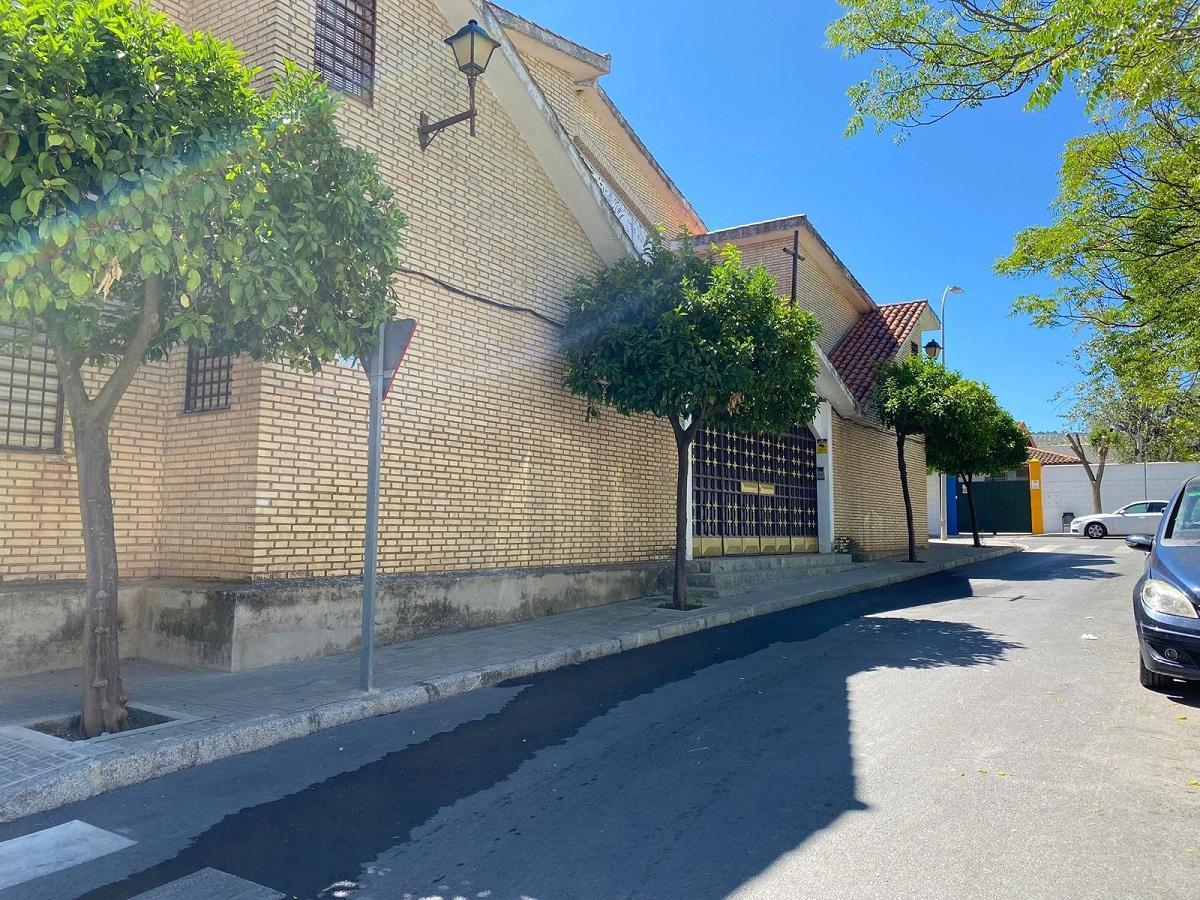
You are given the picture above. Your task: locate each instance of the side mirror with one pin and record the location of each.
(1140, 542)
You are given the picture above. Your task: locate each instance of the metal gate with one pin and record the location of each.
(1000, 505)
(754, 493)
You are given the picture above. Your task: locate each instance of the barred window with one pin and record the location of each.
(345, 45)
(209, 378)
(31, 402)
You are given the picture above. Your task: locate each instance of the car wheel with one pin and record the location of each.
(1095, 531)
(1152, 680)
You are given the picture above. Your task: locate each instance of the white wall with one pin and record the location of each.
(931, 492)
(1067, 489)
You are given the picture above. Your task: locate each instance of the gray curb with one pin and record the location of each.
(88, 778)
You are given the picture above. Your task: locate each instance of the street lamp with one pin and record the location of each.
(933, 354)
(472, 48)
(950, 289)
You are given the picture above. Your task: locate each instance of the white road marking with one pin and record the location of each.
(211, 883)
(53, 849)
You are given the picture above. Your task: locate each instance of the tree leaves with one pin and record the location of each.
(682, 336)
(132, 150)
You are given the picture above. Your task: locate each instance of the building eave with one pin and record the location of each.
(535, 40)
(516, 91)
(812, 241)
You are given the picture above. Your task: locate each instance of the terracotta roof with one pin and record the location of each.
(1052, 457)
(874, 339)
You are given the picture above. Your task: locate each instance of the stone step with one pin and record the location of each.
(764, 576)
(718, 577)
(766, 562)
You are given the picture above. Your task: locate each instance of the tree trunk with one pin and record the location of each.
(683, 446)
(1095, 477)
(104, 696)
(908, 513)
(967, 480)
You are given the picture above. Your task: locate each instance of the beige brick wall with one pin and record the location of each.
(209, 477)
(581, 121)
(489, 462)
(868, 503)
(815, 290)
(39, 507)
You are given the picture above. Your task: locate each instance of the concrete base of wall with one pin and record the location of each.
(232, 627)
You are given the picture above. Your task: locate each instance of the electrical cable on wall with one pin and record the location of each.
(480, 298)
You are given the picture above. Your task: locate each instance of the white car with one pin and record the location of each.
(1141, 517)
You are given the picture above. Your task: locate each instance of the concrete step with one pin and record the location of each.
(749, 579)
(765, 562)
(727, 576)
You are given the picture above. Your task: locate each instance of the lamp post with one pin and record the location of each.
(950, 289)
(473, 48)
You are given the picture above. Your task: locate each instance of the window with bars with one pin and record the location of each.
(345, 45)
(31, 402)
(209, 378)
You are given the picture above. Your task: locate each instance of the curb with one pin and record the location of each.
(96, 776)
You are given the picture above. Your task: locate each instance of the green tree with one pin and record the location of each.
(150, 199)
(696, 340)
(974, 436)
(1101, 441)
(1124, 243)
(1152, 418)
(909, 397)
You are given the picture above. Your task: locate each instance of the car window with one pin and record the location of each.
(1157, 507)
(1184, 523)
(1136, 509)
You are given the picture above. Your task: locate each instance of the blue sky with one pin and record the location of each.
(745, 107)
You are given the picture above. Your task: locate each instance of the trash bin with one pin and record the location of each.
(1067, 519)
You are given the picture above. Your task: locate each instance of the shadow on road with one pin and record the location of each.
(779, 769)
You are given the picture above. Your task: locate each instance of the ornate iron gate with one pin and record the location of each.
(754, 493)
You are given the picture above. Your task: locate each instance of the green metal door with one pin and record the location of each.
(1000, 505)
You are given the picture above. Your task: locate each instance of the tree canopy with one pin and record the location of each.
(909, 397)
(974, 436)
(1124, 242)
(133, 154)
(689, 337)
(695, 339)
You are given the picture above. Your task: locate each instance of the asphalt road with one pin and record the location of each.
(976, 734)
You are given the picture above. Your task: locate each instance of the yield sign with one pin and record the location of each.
(397, 335)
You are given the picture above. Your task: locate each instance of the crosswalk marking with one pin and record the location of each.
(210, 883)
(53, 849)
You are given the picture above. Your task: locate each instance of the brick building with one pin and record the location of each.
(233, 479)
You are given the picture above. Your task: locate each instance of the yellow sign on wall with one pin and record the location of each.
(822, 446)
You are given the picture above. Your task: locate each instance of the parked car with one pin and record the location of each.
(1164, 599)
(1141, 517)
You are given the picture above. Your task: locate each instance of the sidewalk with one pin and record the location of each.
(219, 714)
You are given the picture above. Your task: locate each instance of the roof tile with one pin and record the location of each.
(873, 340)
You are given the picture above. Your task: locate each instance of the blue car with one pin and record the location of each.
(1165, 597)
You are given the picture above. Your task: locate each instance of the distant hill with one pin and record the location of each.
(1057, 441)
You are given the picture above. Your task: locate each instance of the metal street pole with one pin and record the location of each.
(366, 669)
(942, 475)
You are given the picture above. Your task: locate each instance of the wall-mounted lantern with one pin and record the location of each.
(933, 349)
(473, 48)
